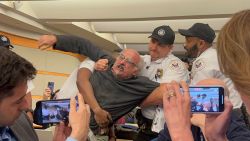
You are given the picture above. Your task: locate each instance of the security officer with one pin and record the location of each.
(199, 39)
(160, 66)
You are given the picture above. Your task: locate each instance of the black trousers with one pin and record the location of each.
(144, 124)
(142, 136)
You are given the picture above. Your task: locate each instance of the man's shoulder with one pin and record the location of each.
(174, 64)
(170, 59)
(23, 120)
(209, 54)
(146, 58)
(208, 60)
(23, 128)
(173, 57)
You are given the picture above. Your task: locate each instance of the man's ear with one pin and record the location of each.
(170, 46)
(202, 43)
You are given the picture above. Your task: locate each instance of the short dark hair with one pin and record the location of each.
(14, 69)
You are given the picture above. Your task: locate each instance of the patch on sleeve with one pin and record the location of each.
(199, 65)
(176, 65)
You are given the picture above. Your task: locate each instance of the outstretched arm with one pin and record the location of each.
(72, 44)
(155, 98)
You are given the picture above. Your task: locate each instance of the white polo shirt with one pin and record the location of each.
(162, 70)
(69, 87)
(206, 66)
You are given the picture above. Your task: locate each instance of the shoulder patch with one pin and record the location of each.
(176, 65)
(199, 65)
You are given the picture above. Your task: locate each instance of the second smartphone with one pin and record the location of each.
(207, 99)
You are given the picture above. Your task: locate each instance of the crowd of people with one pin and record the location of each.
(152, 82)
(233, 54)
(201, 103)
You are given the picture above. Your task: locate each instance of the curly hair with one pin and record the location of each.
(233, 48)
(13, 70)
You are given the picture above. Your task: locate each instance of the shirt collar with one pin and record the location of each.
(159, 61)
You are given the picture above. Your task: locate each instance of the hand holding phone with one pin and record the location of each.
(78, 120)
(177, 105)
(47, 94)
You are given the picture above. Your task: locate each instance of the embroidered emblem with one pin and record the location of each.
(158, 74)
(199, 65)
(161, 32)
(175, 65)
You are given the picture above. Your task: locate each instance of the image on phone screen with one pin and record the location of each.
(52, 111)
(55, 111)
(207, 99)
(51, 86)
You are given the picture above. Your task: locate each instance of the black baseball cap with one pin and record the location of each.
(200, 30)
(163, 34)
(5, 42)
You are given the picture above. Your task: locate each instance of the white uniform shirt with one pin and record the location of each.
(69, 87)
(162, 70)
(206, 66)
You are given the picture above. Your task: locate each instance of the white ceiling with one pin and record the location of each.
(113, 23)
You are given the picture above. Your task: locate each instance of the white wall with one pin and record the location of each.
(48, 61)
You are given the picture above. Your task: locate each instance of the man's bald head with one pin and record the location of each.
(127, 64)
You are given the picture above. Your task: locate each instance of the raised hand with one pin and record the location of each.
(101, 65)
(79, 119)
(46, 42)
(47, 94)
(177, 111)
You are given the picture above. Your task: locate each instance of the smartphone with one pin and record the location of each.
(51, 111)
(207, 99)
(51, 85)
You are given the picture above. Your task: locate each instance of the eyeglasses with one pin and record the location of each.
(127, 60)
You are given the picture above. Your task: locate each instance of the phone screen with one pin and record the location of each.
(51, 111)
(207, 99)
(55, 111)
(51, 86)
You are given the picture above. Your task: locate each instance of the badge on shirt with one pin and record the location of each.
(158, 74)
(199, 65)
(175, 65)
